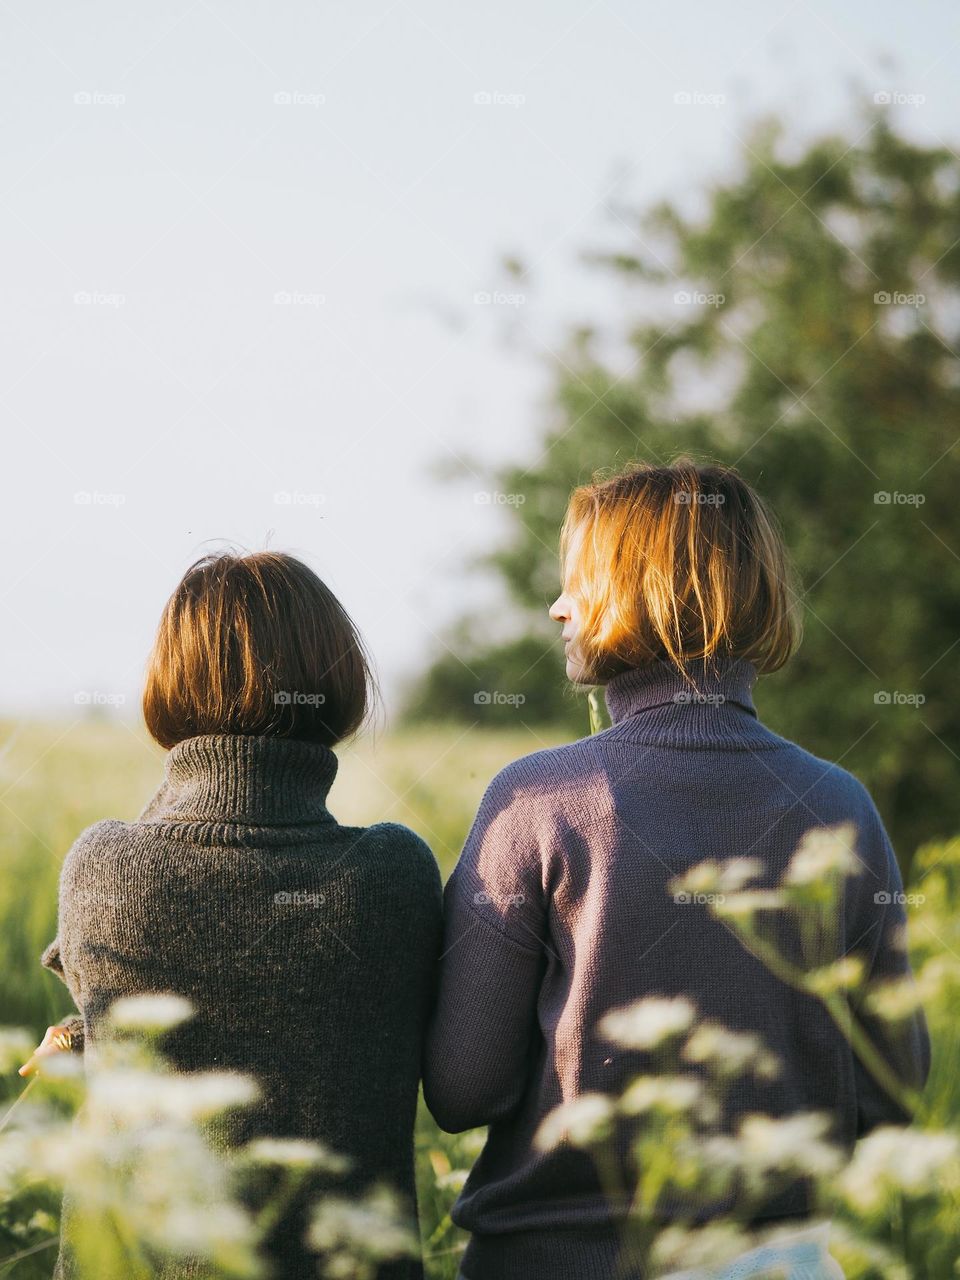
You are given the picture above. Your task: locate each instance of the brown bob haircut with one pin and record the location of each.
(255, 644)
(676, 563)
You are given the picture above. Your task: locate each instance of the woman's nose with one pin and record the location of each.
(558, 610)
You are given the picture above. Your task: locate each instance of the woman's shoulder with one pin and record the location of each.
(396, 836)
(826, 780)
(100, 837)
(397, 866)
(392, 840)
(550, 770)
(93, 850)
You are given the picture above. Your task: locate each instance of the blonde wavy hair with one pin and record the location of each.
(677, 563)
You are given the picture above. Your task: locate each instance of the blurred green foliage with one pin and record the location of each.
(802, 323)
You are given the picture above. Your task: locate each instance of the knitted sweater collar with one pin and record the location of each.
(660, 684)
(230, 778)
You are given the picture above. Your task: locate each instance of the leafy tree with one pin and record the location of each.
(502, 685)
(804, 325)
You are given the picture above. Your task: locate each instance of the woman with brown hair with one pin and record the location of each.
(307, 948)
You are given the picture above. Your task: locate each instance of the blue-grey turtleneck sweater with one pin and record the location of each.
(559, 910)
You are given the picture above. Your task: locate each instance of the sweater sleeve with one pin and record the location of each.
(878, 924)
(484, 1036)
(73, 1023)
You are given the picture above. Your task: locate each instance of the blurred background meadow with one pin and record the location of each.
(378, 285)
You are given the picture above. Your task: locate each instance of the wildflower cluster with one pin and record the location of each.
(670, 1118)
(148, 1176)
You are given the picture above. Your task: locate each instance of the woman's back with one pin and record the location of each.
(307, 948)
(563, 907)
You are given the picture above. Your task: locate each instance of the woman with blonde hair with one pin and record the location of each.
(676, 596)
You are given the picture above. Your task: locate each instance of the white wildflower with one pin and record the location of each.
(823, 852)
(843, 974)
(735, 873)
(892, 1160)
(579, 1121)
(133, 1154)
(661, 1093)
(373, 1227)
(201, 1228)
(299, 1153)
(63, 1066)
(749, 901)
(730, 1053)
(895, 1000)
(764, 1144)
(35, 1151)
(455, 1180)
(713, 878)
(900, 998)
(156, 1012)
(794, 1142)
(134, 1096)
(169, 1184)
(647, 1023)
(17, 1157)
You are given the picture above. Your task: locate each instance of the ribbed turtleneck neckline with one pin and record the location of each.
(231, 778)
(661, 684)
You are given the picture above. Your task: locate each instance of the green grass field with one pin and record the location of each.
(57, 779)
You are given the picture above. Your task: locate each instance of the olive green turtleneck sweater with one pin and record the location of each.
(307, 948)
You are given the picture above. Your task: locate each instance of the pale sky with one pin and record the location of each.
(243, 245)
